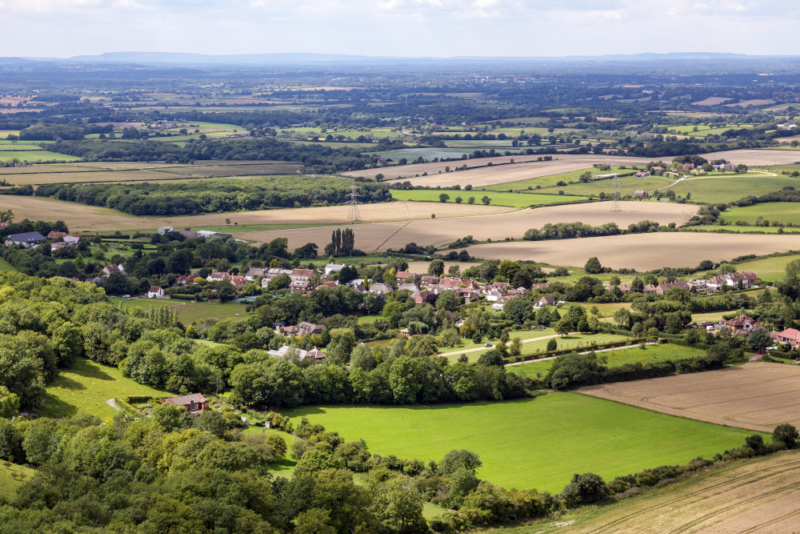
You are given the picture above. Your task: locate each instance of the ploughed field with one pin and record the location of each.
(642, 252)
(532, 443)
(758, 396)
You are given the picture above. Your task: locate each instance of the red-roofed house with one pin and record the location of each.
(790, 336)
(56, 235)
(194, 403)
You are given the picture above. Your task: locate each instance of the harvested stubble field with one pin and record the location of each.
(642, 252)
(522, 169)
(711, 101)
(441, 231)
(150, 173)
(753, 157)
(757, 396)
(90, 218)
(756, 495)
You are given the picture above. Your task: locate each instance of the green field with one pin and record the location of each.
(768, 269)
(5, 266)
(517, 200)
(782, 212)
(11, 477)
(188, 312)
(553, 179)
(627, 186)
(35, 155)
(650, 353)
(732, 188)
(85, 388)
(532, 443)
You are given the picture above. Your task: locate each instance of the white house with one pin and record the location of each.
(155, 292)
(331, 268)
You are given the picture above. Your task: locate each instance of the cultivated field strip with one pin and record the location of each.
(450, 225)
(757, 396)
(752, 496)
(642, 252)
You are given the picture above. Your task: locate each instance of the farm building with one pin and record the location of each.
(155, 292)
(27, 240)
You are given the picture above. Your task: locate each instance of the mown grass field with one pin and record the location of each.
(648, 354)
(518, 200)
(85, 388)
(532, 443)
(782, 212)
(187, 312)
(11, 478)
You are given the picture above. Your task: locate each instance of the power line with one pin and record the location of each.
(615, 195)
(353, 215)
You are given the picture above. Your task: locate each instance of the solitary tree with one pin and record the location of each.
(593, 266)
(444, 197)
(759, 340)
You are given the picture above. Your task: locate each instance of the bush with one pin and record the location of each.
(786, 434)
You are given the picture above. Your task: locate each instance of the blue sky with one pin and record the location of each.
(62, 28)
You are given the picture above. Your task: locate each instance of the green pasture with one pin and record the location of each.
(731, 188)
(522, 335)
(11, 478)
(86, 386)
(648, 354)
(34, 155)
(532, 443)
(553, 179)
(188, 312)
(769, 269)
(5, 266)
(579, 342)
(782, 212)
(6, 146)
(627, 186)
(517, 200)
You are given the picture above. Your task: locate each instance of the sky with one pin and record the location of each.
(419, 28)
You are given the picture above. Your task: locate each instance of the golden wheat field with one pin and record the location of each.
(757, 395)
(642, 252)
(441, 230)
(757, 495)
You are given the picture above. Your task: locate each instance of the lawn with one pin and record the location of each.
(85, 388)
(650, 353)
(517, 200)
(782, 212)
(11, 478)
(574, 341)
(188, 312)
(532, 443)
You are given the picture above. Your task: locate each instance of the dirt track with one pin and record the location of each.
(757, 396)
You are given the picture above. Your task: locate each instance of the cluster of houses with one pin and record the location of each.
(34, 239)
(743, 324)
(730, 280)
